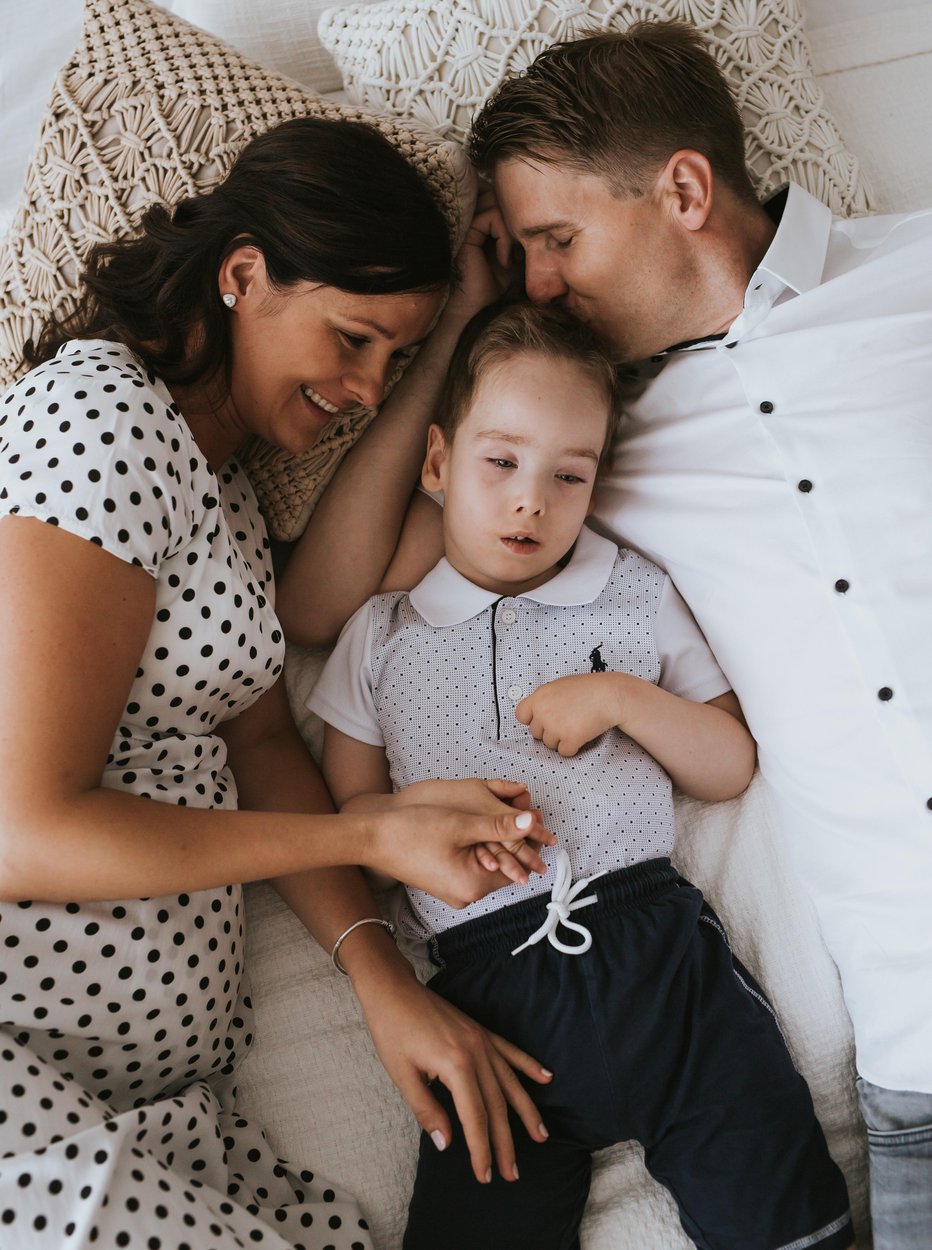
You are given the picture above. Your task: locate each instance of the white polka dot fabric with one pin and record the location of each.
(443, 700)
(122, 1023)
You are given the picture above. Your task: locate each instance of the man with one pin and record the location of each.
(776, 461)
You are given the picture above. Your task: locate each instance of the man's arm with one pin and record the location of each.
(352, 536)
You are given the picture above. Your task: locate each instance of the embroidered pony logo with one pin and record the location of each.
(598, 664)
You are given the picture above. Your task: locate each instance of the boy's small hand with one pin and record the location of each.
(516, 860)
(567, 713)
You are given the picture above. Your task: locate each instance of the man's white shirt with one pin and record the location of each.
(783, 477)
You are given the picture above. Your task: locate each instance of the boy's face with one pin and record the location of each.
(519, 474)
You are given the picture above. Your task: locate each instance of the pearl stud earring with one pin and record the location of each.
(229, 299)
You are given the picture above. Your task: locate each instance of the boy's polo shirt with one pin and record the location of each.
(434, 678)
(783, 477)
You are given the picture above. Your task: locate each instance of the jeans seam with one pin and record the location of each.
(898, 1136)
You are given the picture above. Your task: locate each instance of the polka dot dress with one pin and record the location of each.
(122, 1023)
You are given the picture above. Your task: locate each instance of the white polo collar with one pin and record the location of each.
(445, 597)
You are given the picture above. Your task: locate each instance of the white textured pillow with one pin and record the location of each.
(440, 60)
(279, 34)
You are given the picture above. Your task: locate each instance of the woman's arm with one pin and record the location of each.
(417, 1035)
(74, 621)
(705, 747)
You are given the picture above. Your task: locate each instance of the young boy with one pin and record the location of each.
(539, 651)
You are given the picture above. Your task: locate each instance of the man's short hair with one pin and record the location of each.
(504, 331)
(618, 104)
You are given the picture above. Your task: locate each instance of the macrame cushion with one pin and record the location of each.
(440, 60)
(150, 109)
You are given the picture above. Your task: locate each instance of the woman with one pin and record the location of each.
(141, 653)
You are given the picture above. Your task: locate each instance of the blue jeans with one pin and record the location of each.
(899, 1137)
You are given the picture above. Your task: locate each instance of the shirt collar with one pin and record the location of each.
(796, 256)
(445, 597)
(794, 261)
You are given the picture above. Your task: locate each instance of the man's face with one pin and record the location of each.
(617, 264)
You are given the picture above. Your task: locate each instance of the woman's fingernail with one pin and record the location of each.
(516, 1172)
(524, 820)
(546, 1072)
(488, 1177)
(542, 1129)
(438, 1139)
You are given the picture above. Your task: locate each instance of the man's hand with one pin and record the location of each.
(484, 260)
(567, 713)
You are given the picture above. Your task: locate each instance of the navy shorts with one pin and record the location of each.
(657, 1034)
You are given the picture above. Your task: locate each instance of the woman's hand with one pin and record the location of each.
(434, 848)
(420, 1037)
(515, 859)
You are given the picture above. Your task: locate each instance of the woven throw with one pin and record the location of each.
(150, 109)
(440, 60)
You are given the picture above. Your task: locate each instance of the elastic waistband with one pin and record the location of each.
(498, 933)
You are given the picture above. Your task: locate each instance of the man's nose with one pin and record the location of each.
(542, 280)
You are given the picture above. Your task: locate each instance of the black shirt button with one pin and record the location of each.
(766, 406)
(929, 804)
(734, 344)
(885, 694)
(805, 486)
(842, 585)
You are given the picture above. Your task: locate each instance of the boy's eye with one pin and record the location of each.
(501, 462)
(569, 477)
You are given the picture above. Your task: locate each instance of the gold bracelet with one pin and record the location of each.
(334, 954)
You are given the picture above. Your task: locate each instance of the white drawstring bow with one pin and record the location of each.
(563, 900)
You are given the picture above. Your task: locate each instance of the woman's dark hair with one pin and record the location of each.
(323, 200)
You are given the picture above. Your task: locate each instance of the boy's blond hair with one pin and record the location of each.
(503, 331)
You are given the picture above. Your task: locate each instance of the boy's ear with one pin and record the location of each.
(431, 477)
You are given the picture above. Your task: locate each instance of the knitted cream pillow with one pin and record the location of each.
(440, 60)
(152, 109)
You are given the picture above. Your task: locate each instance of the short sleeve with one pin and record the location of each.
(91, 442)
(687, 666)
(343, 694)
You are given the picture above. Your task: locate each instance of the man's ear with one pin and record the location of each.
(434, 460)
(243, 273)
(687, 185)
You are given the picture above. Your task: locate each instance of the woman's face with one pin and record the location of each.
(302, 356)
